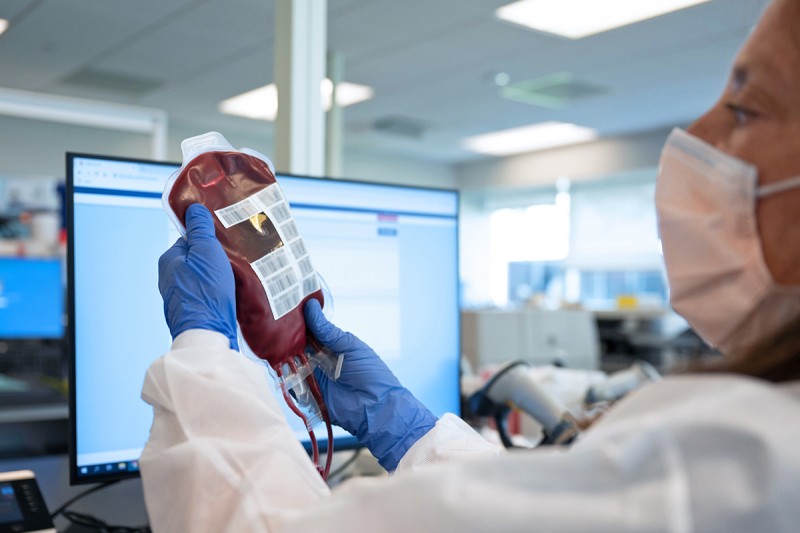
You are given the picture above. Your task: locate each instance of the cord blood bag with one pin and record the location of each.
(272, 268)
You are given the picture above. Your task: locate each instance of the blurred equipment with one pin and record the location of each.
(622, 382)
(631, 335)
(529, 279)
(513, 387)
(540, 337)
(22, 506)
(31, 317)
(33, 410)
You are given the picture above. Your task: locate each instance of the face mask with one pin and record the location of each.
(719, 281)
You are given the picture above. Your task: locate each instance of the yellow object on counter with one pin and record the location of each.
(627, 301)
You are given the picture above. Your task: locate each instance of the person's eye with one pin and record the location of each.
(741, 115)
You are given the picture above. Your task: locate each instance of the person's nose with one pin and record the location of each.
(709, 127)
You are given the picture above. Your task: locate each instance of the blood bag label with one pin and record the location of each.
(285, 269)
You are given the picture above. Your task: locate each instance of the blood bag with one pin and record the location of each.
(272, 268)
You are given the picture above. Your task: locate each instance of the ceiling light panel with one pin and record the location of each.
(529, 138)
(347, 93)
(576, 19)
(262, 103)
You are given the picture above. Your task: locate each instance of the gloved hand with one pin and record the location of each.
(196, 280)
(368, 400)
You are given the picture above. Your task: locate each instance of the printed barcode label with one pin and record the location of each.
(236, 213)
(298, 248)
(271, 263)
(270, 195)
(289, 231)
(281, 281)
(286, 303)
(305, 266)
(287, 275)
(280, 213)
(310, 284)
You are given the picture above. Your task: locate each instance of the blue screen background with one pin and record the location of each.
(31, 298)
(429, 367)
(120, 322)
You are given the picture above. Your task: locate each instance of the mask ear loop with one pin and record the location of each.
(780, 186)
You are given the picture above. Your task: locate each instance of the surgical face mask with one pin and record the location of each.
(719, 281)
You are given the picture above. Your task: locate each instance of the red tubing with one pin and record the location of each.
(311, 435)
(329, 457)
(298, 412)
(311, 381)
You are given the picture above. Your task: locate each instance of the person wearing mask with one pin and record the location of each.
(705, 451)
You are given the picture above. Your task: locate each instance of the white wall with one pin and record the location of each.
(33, 147)
(398, 170)
(588, 161)
(474, 263)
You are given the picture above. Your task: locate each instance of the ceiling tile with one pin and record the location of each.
(428, 61)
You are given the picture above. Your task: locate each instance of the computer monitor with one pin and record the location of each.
(31, 298)
(388, 253)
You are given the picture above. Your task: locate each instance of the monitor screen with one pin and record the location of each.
(31, 298)
(388, 254)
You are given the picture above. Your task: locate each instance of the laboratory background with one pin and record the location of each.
(520, 152)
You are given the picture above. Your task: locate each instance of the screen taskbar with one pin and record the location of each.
(114, 468)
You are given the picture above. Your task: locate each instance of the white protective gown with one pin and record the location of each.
(692, 453)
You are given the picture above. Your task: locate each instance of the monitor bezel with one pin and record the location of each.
(342, 443)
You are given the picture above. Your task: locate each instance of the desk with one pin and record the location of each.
(34, 413)
(119, 504)
(653, 313)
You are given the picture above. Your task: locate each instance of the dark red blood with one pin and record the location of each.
(220, 179)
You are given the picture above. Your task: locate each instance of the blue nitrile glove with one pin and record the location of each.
(196, 280)
(368, 400)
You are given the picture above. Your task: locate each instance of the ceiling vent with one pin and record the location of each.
(555, 91)
(104, 80)
(400, 126)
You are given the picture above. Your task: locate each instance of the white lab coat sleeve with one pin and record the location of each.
(451, 439)
(615, 488)
(704, 454)
(682, 455)
(221, 456)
